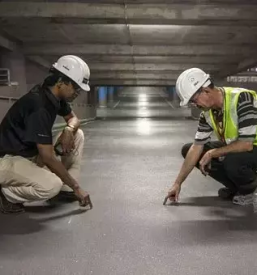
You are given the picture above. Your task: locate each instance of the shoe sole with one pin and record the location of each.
(244, 203)
(4, 211)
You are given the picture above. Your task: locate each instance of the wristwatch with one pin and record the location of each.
(70, 127)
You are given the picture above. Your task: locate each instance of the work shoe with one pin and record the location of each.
(243, 199)
(7, 207)
(226, 193)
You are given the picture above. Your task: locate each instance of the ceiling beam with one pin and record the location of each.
(142, 50)
(13, 46)
(132, 75)
(132, 82)
(155, 59)
(40, 61)
(188, 2)
(242, 66)
(108, 67)
(8, 44)
(135, 13)
(159, 59)
(247, 63)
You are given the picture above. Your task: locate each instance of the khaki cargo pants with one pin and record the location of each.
(23, 180)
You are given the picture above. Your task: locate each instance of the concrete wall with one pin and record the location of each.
(27, 74)
(16, 63)
(35, 74)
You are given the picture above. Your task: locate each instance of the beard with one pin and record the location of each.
(71, 98)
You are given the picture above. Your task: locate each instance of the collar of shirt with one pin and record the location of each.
(218, 113)
(52, 98)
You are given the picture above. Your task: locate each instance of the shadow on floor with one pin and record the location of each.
(203, 201)
(20, 224)
(214, 204)
(221, 222)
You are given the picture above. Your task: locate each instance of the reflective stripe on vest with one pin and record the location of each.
(230, 118)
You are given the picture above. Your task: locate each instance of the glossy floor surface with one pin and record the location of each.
(131, 158)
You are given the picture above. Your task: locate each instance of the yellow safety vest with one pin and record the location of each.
(230, 118)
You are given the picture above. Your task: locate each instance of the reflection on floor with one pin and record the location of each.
(127, 167)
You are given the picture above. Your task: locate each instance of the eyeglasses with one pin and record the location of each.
(195, 97)
(77, 88)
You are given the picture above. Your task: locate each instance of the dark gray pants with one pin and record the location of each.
(237, 171)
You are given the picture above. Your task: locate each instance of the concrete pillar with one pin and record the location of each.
(102, 95)
(171, 93)
(16, 63)
(176, 98)
(85, 97)
(95, 95)
(116, 92)
(110, 94)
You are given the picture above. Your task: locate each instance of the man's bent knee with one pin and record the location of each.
(238, 171)
(33, 191)
(185, 149)
(50, 190)
(79, 135)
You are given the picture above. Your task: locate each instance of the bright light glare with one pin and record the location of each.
(143, 127)
(142, 103)
(142, 97)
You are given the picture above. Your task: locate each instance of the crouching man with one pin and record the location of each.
(29, 167)
(231, 113)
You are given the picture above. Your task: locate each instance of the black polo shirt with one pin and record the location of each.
(29, 122)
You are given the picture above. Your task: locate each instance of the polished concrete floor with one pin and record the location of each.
(128, 166)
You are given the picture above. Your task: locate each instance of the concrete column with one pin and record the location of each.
(116, 92)
(85, 97)
(110, 94)
(102, 95)
(16, 63)
(95, 95)
(171, 93)
(176, 99)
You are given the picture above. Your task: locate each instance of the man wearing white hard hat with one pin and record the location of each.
(34, 165)
(230, 113)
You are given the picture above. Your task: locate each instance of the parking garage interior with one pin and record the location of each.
(134, 130)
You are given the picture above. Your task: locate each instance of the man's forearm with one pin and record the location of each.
(58, 168)
(234, 147)
(191, 160)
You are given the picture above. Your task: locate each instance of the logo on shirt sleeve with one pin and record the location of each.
(42, 135)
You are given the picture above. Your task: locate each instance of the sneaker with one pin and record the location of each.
(243, 199)
(226, 193)
(7, 207)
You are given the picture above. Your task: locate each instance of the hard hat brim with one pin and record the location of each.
(183, 103)
(85, 87)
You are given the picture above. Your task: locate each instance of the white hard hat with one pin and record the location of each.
(75, 68)
(189, 82)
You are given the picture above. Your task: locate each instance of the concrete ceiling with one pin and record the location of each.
(135, 42)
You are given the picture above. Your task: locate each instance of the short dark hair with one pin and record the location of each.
(55, 77)
(211, 86)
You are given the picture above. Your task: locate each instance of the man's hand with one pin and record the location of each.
(173, 193)
(67, 141)
(205, 162)
(83, 197)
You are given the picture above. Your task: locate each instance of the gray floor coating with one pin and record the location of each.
(128, 166)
